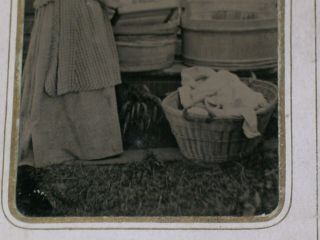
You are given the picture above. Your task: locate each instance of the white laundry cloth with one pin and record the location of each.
(222, 94)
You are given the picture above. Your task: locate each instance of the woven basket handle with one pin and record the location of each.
(193, 118)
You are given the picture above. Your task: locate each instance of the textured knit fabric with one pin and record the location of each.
(78, 125)
(82, 56)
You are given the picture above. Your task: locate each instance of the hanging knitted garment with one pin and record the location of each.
(81, 58)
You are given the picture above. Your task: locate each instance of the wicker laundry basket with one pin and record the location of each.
(230, 34)
(221, 139)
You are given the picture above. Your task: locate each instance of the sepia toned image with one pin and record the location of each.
(151, 108)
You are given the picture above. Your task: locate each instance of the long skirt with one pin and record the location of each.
(74, 126)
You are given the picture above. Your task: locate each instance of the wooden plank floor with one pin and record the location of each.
(166, 154)
(163, 154)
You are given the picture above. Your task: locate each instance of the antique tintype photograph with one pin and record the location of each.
(151, 108)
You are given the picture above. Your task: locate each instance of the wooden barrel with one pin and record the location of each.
(230, 34)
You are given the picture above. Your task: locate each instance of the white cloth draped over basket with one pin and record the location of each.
(221, 94)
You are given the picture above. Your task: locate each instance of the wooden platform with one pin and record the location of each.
(162, 154)
(167, 154)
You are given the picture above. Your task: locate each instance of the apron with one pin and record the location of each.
(78, 121)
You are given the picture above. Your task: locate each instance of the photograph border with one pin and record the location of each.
(282, 148)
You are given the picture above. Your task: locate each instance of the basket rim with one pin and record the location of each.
(179, 113)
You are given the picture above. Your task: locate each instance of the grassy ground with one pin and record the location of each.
(155, 188)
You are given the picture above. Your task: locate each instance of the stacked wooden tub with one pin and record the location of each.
(146, 35)
(230, 34)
